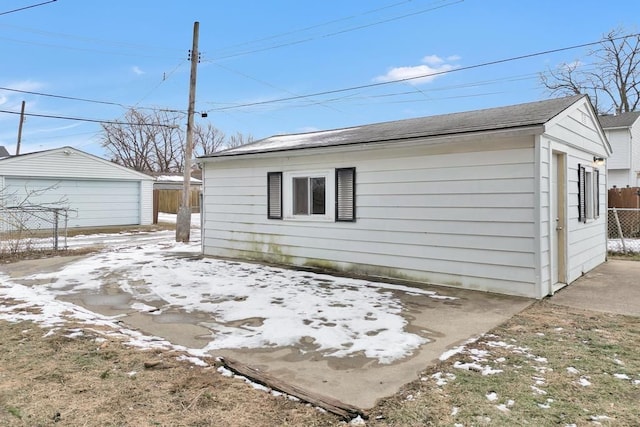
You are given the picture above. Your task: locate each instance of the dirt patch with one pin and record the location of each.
(7, 258)
(74, 377)
(548, 365)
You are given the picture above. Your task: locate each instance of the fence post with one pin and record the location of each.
(615, 215)
(156, 205)
(55, 229)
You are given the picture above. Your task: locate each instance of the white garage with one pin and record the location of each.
(96, 192)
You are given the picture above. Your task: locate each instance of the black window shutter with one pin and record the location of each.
(274, 195)
(596, 192)
(346, 194)
(582, 211)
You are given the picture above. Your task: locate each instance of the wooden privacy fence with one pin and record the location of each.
(624, 218)
(627, 198)
(169, 201)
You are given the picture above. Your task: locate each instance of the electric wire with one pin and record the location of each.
(27, 7)
(331, 34)
(433, 74)
(80, 119)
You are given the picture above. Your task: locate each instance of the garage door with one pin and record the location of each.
(92, 203)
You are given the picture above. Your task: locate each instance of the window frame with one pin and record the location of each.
(288, 195)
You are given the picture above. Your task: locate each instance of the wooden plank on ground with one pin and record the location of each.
(329, 404)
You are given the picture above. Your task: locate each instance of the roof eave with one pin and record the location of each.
(533, 129)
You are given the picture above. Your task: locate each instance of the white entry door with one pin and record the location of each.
(558, 218)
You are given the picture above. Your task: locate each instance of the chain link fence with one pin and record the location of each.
(624, 230)
(32, 228)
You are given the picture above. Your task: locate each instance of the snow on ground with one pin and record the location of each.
(171, 219)
(617, 246)
(248, 305)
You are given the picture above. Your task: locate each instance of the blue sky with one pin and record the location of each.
(134, 53)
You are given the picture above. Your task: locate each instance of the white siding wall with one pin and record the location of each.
(75, 164)
(635, 155)
(587, 241)
(544, 216)
(576, 133)
(92, 203)
(101, 193)
(461, 219)
(617, 177)
(146, 202)
(620, 144)
(624, 164)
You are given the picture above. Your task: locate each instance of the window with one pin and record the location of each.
(346, 194)
(274, 195)
(588, 193)
(307, 195)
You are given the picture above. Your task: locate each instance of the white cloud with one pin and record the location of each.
(432, 66)
(11, 99)
(137, 70)
(28, 85)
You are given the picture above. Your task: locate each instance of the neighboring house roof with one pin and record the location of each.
(619, 120)
(3, 152)
(69, 150)
(501, 118)
(176, 179)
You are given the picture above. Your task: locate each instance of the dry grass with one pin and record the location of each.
(558, 366)
(82, 381)
(9, 256)
(547, 354)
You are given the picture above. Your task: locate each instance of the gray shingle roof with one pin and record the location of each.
(619, 120)
(501, 118)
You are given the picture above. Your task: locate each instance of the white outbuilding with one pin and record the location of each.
(95, 191)
(509, 200)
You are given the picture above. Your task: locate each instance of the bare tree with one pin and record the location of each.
(611, 78)
(207, 139)
(145, 142)
(237, 140)
(154, 142)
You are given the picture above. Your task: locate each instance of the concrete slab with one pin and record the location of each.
(360, 381)
(355, 380)
(612, 287)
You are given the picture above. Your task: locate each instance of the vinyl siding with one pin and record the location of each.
(587, 242)
(67, 163)
(635, 155)
(621, 146)
(99, 192)
(146, 202)
(91, 203)
(460, 219)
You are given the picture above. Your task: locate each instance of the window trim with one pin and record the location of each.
(353, 195)
(287, 192)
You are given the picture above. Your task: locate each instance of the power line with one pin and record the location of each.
(136, 54)
(27, 7)
(407, 79)
(322, 24)
(80, 119)
(335, 33)
(94, 101)
(312, 102)
(62, 97)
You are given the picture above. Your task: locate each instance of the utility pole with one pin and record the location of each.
(20, 129)
(183, 220)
